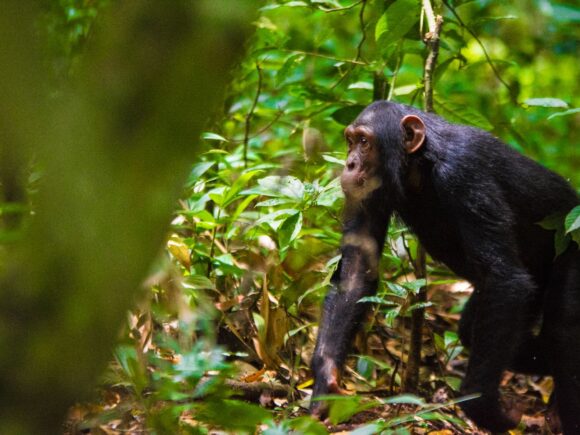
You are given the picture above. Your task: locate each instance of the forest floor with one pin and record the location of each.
(371, 406)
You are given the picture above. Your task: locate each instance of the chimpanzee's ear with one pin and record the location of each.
(414, 131)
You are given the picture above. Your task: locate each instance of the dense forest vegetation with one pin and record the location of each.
(201, 157)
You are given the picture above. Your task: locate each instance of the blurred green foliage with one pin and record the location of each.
(254, 240)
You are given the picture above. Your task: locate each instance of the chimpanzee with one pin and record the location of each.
(475, 205)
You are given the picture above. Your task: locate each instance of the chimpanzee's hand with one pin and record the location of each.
(326, 381)
(491, 412)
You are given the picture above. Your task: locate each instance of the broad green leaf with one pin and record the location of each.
(274, 202)
(415, 285)
(361, 85)
(461, 114)
(375, 300)
(213, 136)
(231, 194)
(572, 221)
(307, 425)
(289, 230)
(368, 429)
(396, 289)
(277, 186)
(396, 22)
(546, 102)
(275, 219)
(347, 114)
(390, 316)
(561, 239)
(331, 159)
(343, 408)
(291, 62)
(419, 305)
(233, 415)
(198, 170)
(408, 399)
(405, 90)
(260, 325)
(552, 222)
(566, 13)
(330, 194)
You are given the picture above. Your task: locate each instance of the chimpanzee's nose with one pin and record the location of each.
(351, 163)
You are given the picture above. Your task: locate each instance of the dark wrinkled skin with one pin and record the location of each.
(475, 205)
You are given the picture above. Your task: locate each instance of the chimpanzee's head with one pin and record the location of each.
(379, 141)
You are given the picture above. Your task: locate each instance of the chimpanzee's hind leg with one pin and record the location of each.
(562, 329)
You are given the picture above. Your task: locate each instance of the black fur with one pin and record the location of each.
(475, 205)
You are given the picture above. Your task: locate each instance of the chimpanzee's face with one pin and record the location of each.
(361, 172)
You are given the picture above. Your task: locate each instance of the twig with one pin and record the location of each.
(358, 56)
(262, 130)
(361, 18)
(345, 8)
(485, 53)
(250, 114)
(411, 378)
(400, 56)
(432, 41)
(311, 53)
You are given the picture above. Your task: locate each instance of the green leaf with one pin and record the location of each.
(289, 230)
(361, 85)
(396, 22)
(408, 399)
(369, 429)
(231, 194)
(565, 13)
(565, 113)
(343, 408)
(198, 170)
(291, 62)
(275, 219)
(260, 325)
(375, 300)
(546, 102)
(213, 136)
(347, 114)
(232, 415)
(415, 285)
(461, 114)
(277, 186)
(552, 222)
(572, 221)
(307, 425)
(396, 289)
(331, 159)
(555, 222)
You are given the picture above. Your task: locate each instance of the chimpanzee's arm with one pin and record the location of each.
(363, 238)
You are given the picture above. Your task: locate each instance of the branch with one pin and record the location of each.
(432, 41)
(411, 378)
(250, 114)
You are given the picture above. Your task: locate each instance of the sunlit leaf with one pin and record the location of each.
(396, 22)
(213, 136)
(572, 221)
(546, 102)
